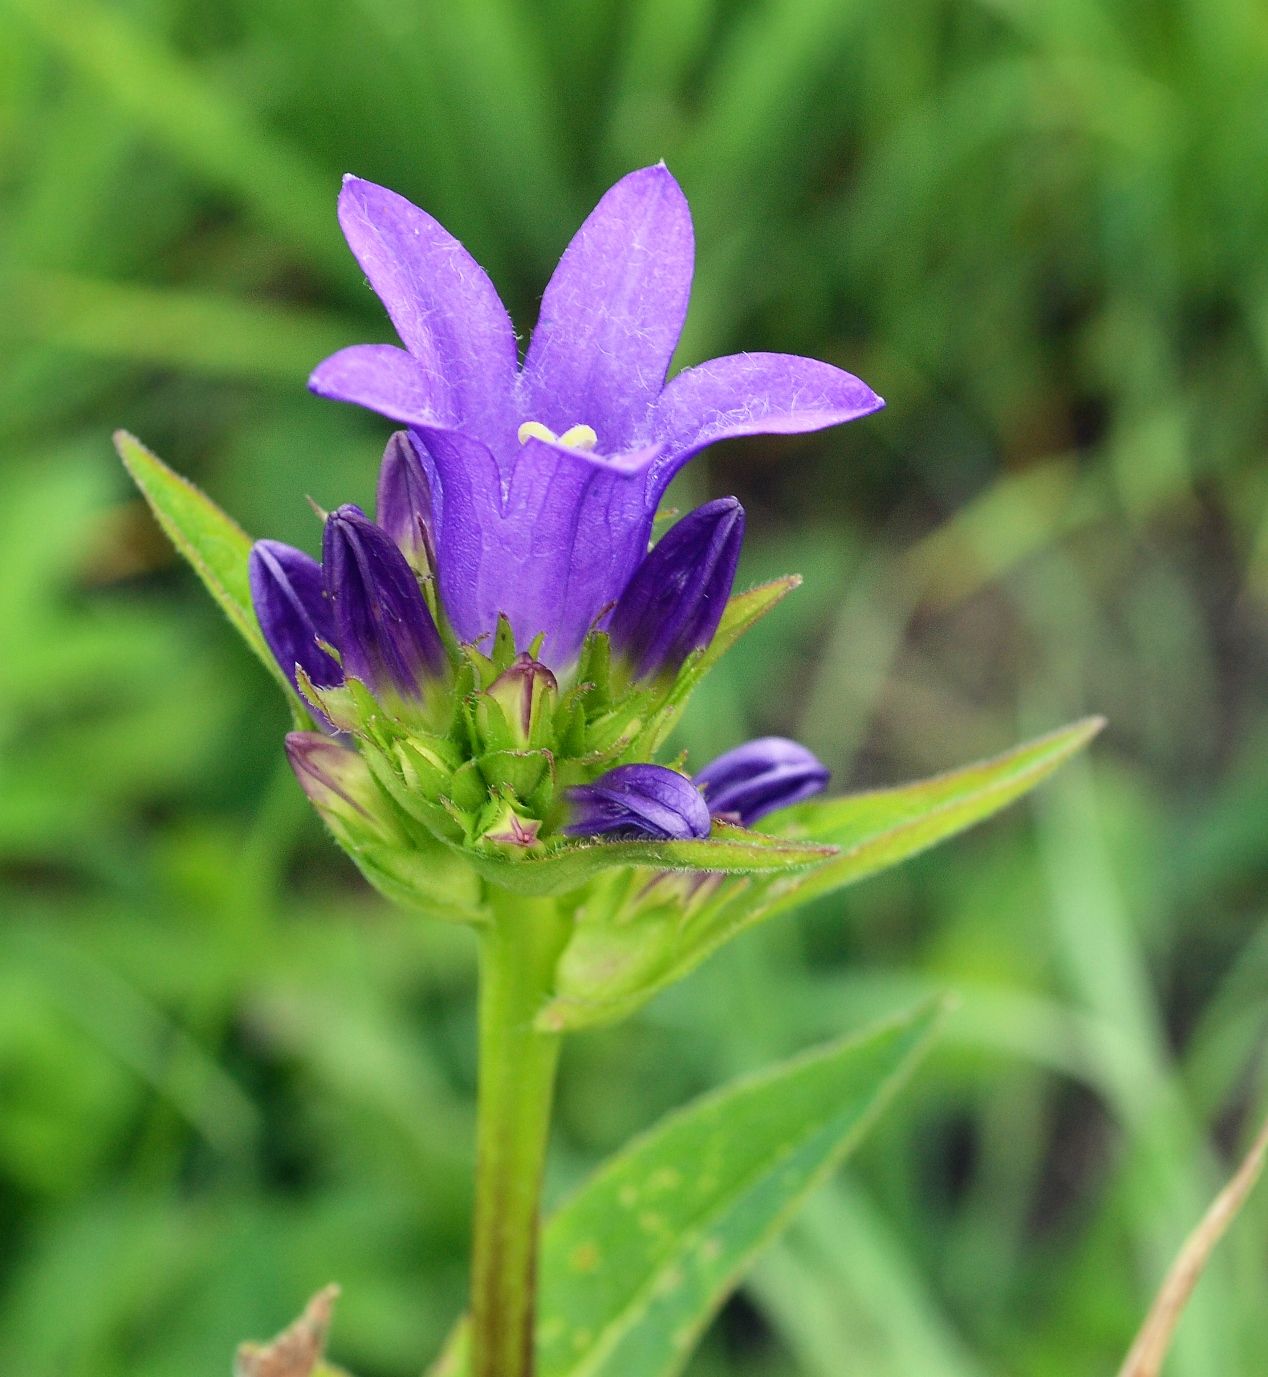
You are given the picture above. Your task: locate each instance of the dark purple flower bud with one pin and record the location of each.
(385, 630)
(293, 611)
(634, 802)
(675, 600)
(403, 505)
(756, 778)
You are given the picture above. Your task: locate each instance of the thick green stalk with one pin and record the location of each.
(518, 952)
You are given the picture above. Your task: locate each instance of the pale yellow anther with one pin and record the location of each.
(575, 437)
(534, 430)
(579, 437)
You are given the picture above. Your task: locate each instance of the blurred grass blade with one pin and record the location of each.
(638, 1262)
(202, 332)
(1154, 1340)
(206, 126)
(212, 542)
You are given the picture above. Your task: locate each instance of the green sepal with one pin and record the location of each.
(594, 668)
(604, 975)
(503, 644)
(565, 865)
(613, 734)
(432, 881)
(743, 611)
(488, 725)
(522, 772)
(213, 543)
(468, 791)
(527, 693)
(418, 782)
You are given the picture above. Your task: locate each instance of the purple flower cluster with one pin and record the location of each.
(527, 490)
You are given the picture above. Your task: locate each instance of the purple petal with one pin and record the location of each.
(294, 615)
(445, 309)
(382, 378)
(635, 801)
(403, 503)
(756, 778)
(753, 394)
(674, 602)
(612, 313)
(386, 634)
(553, 554)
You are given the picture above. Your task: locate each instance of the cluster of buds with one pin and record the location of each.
(485, 747)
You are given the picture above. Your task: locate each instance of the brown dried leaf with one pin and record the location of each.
(1154, 1340)
(297, 1351)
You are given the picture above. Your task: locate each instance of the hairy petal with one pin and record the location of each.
(552, 552)
(639, 801)
(382, 378)
(445, 309)
(753, 394)
(613, 311)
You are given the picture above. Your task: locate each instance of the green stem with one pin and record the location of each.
(517, 1063)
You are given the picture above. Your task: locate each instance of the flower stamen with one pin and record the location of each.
(575, 437)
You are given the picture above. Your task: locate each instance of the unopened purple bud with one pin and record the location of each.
(385, 630)
(403, 505)
(756, 778)
(637, 801)
(674, 602)
(293, 611)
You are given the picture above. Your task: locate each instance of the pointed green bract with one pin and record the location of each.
(743, 611)
(609, 970)
(216, 546)
(636, 1264)
(731, 850)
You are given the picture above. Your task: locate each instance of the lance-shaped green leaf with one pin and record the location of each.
(609, 970)
(637, 1263)
(878, 829)
(216, 546)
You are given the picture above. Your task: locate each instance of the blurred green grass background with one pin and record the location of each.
(229, 1074)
